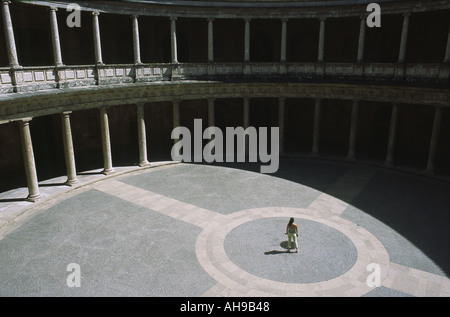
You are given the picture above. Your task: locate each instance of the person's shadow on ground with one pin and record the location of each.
(283, 244)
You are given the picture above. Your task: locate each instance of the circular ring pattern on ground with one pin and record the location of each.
(259, 247)
(210, 248)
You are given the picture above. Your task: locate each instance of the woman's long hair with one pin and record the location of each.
(291, 221)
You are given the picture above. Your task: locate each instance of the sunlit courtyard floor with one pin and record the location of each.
(209, 230)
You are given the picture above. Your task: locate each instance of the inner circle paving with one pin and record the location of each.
(324, 252)
(201, 230)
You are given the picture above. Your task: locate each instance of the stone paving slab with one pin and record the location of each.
(135, 233)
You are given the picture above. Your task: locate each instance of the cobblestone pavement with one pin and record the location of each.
(202, 230)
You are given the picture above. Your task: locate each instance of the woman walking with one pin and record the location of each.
(292, 232)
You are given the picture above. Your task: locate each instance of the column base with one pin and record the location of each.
(71, 182)
(33, 198)
(108, 171)
(389, 164)
(144, 164)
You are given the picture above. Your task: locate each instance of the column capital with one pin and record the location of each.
(52, 9)
(140, 104)
(95, 13)
(6, 2)
(134, 16)
(210, 19)
(406, 14)
(172, 18)
(323, 19)
(284, 19)
(25, 120)
(66, 113)
(247, 19)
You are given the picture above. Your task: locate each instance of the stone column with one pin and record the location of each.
(106, 142)
(173, 39)
(283, 40)
(281, 112)
(434, 140)
(246, 119)
(136, 42)
(211, 40)
(68, 149)
(57, 56)
(28, 159)
(247, 41)
(176, 116)
(353, 130)
(321, 50)
(97, 40)
(211, 113)
(447, 50)
(9, 35)
(246, 122)
(361, 41)
(392, 136)
(404, 38)
(316, 131)
(142, 135)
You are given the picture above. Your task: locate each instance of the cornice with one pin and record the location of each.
(17, 106)
(241, 10)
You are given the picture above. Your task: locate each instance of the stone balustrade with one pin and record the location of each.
(27, 79)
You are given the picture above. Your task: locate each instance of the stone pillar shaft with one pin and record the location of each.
(97, 39)
(392, 136)
(173, 39)
(447, 50)
(210, 40)
(361, 41)
(57, 56)
(28, 159)
(404, 38)
(316, 131)
(9, 35)
(246, 122)
(247, 41)
(321, 50)
(142, 135)
(136, 41)
(68, 149)
(353, 130)
(176, 116)
(106, 142)
(283, 40)
(281, 114)
(211, 113)
(434, 140)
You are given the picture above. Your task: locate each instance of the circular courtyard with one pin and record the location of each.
(209, 230)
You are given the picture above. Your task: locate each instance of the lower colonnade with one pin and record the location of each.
(352, 150)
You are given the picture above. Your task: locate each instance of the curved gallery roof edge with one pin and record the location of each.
(227, 9)
(41, 103)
